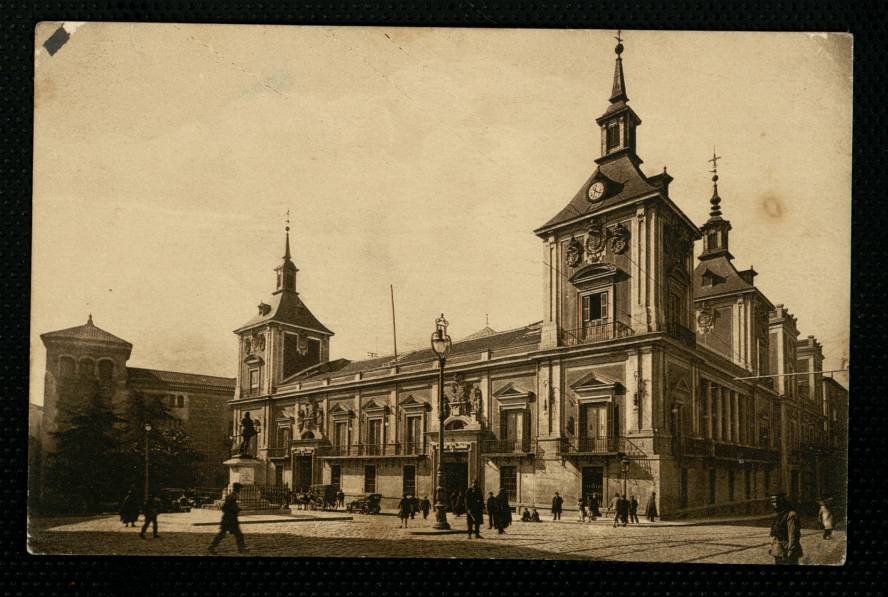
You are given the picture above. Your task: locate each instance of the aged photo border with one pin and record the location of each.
(57, 575)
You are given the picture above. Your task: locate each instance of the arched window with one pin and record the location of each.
(106, 371)
(454, 425)
(67, 367)
(86, 368)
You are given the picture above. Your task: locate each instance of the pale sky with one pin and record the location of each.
(165, 158)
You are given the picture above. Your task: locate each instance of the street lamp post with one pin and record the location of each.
(625, 461)
(147, 430)
(441, 345)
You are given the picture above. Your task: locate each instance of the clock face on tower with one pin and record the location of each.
(596, 190)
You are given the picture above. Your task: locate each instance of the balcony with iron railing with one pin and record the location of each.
(699, 446)
(596, 331)
(591, 445)
(506, 447)
(376, 450)
(681, 333)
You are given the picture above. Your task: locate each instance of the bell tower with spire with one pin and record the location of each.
(716, 229)
(284, 339)
(287, 270)
(619, 121)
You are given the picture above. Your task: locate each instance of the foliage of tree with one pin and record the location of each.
(83, 470)
(171, 458)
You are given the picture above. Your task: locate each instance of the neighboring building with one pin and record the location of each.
(835, 481)
(87, 354)
(639, 377)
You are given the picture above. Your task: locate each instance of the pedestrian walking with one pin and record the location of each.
(581, 508)
(404, 510)
(491, 509)
(474, 502)
(425, 506)
(786, 532)
(651, 509)
(827, 520)
(615, 508)
(557, 502)
(340, 499)
(150, 509)
(594, 505)
(624, 510)
(129, 509)
(230, 523)
(503, 512)
(633, 510)
(414, 506)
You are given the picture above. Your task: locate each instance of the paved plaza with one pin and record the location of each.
(325, 534)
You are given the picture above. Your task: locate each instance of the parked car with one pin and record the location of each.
(366, 504)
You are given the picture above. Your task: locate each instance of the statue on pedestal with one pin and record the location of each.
(248, 432)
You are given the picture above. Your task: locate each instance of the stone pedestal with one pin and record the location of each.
(245, 470)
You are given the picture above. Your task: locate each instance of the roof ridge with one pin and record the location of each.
(178, 372)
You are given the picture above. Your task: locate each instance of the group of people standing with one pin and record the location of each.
(499, 512)
(410, 505)
(625, 510)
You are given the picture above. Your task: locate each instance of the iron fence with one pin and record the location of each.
(596, 331)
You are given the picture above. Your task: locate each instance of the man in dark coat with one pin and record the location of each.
(425, 506)
(651, 509)
(474, 501)
(557, 502)
(786, 532)
(633, 510)
(623, 509)
(503, 511)
(230, 523)
(151, 509)
(615, 508)
(491, 510)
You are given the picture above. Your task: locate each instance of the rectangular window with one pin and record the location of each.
(369, 479)
(180, 401)
(613, 136)
(336, 476)
(340, 434)
(594, 306)
(374, 432)
(683, 495)
(414, 435)
(509, 481)
(410, 479)
(712, 486)
(254, 379)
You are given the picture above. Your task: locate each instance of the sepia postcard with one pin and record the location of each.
(440, 293)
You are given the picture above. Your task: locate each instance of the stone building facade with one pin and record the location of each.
(88, 355)
(642, 376)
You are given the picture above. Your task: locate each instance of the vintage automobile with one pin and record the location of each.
(366, 504)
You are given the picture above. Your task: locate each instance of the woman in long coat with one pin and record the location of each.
(651, 509)
(503, 511)
(129, 509)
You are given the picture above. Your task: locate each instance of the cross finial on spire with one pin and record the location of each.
(617, 36)
(287, 241)
(715, 201)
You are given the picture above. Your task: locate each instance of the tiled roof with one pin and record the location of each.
(528, 335)
(623, 175)
(87, 332)
(722, 267)
(287, 307)
(154, 377)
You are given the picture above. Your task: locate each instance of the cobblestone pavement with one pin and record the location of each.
(327, 534)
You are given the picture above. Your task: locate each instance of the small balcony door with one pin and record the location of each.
(413, 438)
(593, 427)
(374, 435)
(512, 428)
(340, 436)
(594, 316)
